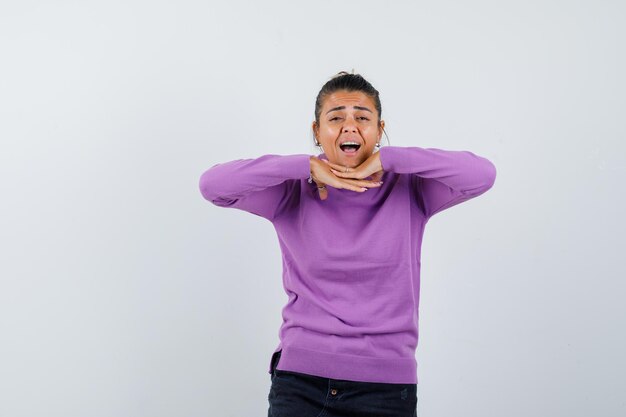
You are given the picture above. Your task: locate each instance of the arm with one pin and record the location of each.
(444, 178)
(259, 186)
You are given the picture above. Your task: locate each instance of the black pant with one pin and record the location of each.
(295, 394)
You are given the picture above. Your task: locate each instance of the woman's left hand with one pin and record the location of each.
(371, 166)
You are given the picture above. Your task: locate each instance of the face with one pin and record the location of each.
(348, 116)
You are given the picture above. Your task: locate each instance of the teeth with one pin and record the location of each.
(350, 143)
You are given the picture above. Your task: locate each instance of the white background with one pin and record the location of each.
(124, 293)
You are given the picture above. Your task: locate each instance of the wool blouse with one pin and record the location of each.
(351, 263)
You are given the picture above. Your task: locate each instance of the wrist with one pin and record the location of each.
(310, 179)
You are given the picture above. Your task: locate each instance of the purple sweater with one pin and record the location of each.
(351, 263)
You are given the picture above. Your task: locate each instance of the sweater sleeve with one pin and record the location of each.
(259, 186)
(445, 178)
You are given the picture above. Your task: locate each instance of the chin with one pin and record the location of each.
(352, 161)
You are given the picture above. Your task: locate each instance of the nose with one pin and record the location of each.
(349, 126)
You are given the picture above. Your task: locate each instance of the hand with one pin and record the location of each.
(371, 166)
(322, 174)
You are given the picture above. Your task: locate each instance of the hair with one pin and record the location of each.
(348, 82)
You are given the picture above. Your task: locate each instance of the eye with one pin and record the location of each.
(363, 117)
(334, 118)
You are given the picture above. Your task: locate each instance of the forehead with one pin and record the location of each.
(349, 98)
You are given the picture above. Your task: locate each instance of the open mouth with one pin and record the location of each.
(350, 149)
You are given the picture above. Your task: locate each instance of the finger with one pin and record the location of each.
(369, 184)
(334, 165)
(351, 187)
(342, 174)
(345, 184)
(341, 168)
(364, 183)
(345, 172)
(352, 175)
(358, 185)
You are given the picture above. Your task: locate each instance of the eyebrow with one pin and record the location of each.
(343, 107)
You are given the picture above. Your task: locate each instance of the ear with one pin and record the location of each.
(380, 129)
(315, 128)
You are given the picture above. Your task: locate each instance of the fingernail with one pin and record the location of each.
(363, 189)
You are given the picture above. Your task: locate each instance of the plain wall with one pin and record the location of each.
(124, 293)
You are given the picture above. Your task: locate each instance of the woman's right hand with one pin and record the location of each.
(322, 175)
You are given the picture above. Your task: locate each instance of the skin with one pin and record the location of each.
(359, 125)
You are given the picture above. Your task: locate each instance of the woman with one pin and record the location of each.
(349, 223)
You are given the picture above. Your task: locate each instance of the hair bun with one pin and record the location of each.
(340, 73)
